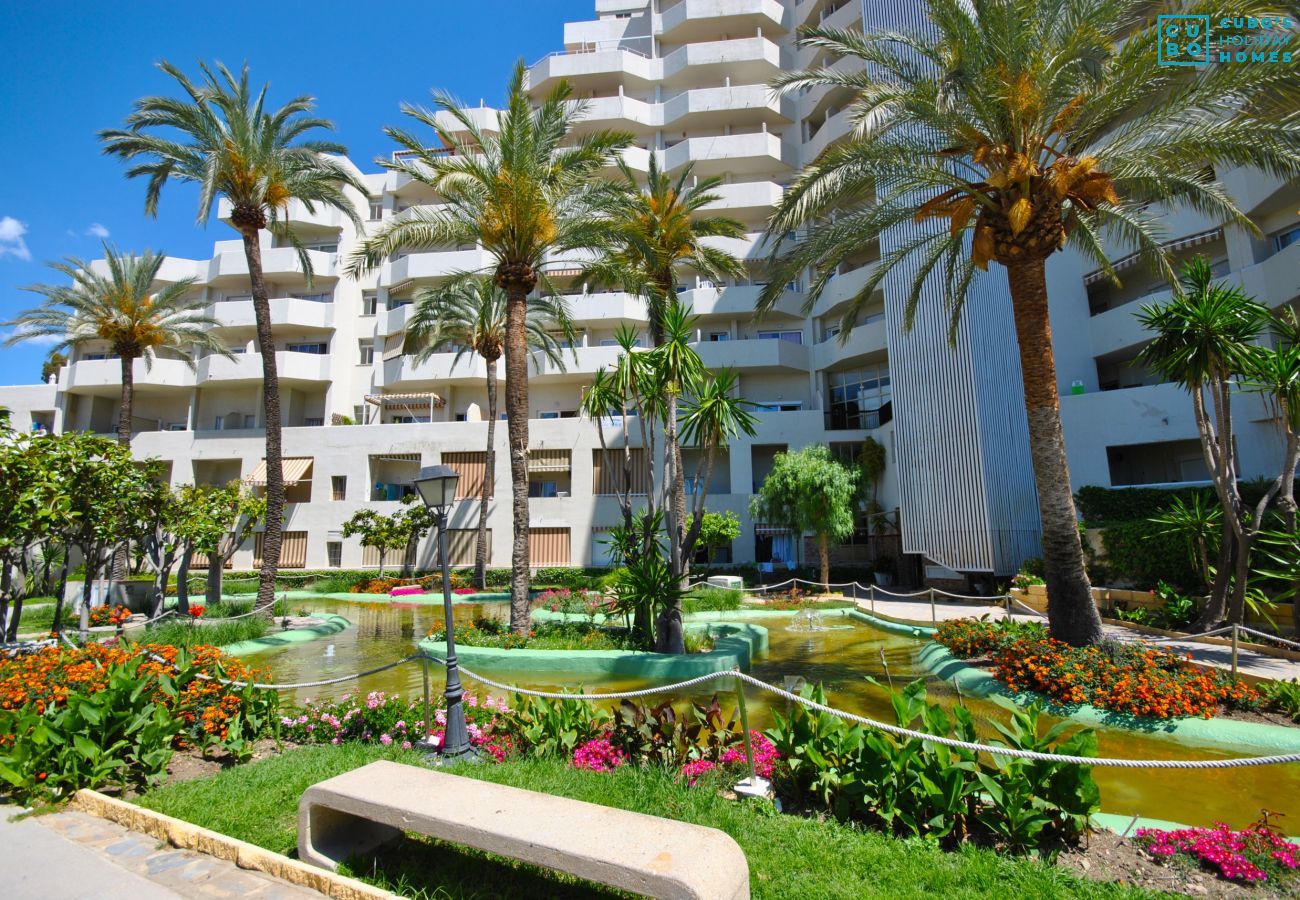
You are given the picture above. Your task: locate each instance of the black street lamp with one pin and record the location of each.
(437, 487)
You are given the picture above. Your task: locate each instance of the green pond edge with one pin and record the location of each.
(1229, 734)
(735, 645)
(350, 597)
(331, 624)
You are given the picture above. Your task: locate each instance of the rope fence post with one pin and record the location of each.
(83, 621)
(753, 786)
(934, 616)
(1234, 652)
(871, 591)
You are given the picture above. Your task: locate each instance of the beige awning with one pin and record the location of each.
(548, 460)
(295, 469)
(389, 400)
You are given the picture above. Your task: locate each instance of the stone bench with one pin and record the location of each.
(354, 813)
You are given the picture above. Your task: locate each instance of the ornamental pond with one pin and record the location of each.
(838, 657)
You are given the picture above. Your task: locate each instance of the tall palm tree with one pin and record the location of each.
(469, 312)
(1202, 340)
(524, 195)
(656, 231)
(680, 372)
(121, 308)
(1024, 125)
(221, 136)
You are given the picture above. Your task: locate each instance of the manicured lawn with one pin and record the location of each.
(41, 618)
(789, 856)
(185, 634)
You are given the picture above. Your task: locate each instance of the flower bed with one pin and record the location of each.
(1252, 856)
(1134, 679)
(387, 719)
(583, 603)
(102, 616)
(404, 590)
(84, 717)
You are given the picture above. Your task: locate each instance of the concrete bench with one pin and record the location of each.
(352, 814)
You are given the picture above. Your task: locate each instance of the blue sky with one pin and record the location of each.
(70, 69)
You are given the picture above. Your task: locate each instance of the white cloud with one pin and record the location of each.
(11, 238)
(44, 340)
(97, 230)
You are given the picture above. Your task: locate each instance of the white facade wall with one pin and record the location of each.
(689, 80)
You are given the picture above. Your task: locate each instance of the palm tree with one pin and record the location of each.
(524, 196)
(120, 307)
(1023, 125)
(1203, 336)
(680, 372)
(469, 312)
(221, 137)
(656, 231)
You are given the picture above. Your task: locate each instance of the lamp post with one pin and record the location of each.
(437, 487)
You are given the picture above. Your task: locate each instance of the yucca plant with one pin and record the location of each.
(222, 137)
(122, 308)
(1011, 129)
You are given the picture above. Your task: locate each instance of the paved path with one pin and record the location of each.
(1248, 661)
(70, 856)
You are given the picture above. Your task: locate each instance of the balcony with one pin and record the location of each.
(841, 289)
(830, 131)
(433, 264)
(738, 300)
(231, 266)
(440, 369)
(605, 308)
(693, 20)
(297, 213)
(393, 321)
(746, 199)
(588, 361)
(868, 339)
(755, 354)
(732, 154)
(745, 60)
(696, 108)
(104, 376)
(294, 311)
(246, 368)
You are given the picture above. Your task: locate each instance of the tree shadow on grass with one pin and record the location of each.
(422, 868)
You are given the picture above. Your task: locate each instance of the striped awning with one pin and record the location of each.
(1125, 262)
(770, 529)
(397, 457)
(295, 469)
(548, 460)
(426, 398)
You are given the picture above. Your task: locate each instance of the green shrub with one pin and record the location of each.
(175, 633)
(1282, 696)
(554, 727)
(910, 787)
(711, 599)
(1138, 554)
(971, 638)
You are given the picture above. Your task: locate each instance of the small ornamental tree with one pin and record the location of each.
(717, 530)
(809, 491)
(384, 533)
(217, 522)
(34, 506)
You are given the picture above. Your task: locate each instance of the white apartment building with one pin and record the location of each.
(690, 80)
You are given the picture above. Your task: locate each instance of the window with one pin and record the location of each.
(718, 337)
(612, 342)
(794, 337)
(557, 414)
(369, 302)
(338, 487)
(359, 414)
(831, 331)
(319, 297)
(332, 247)
(313, 421)
(542, 489)
(334, 550)
(397, 302)
(859, 398)
(376, 208)
(316, 348)
(367, 353)
(780, 406)
(250, 421)
(1287, 238)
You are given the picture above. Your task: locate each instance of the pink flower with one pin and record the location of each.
(385, 740)
(695, 768)
(598, 755)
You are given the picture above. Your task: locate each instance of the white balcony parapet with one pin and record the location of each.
(87, 375)
(311, 314)
(231, 264)
(247, 368)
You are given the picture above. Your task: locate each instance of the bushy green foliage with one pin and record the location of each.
(910, 787)
(711, 599)
(1137, 554)
(1282, 696)
(971, 638)
(175, 633)
(554, 727)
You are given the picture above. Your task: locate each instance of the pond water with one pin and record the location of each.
(838, 658)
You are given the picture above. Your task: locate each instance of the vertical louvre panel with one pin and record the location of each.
(607, 471)
(471, 467)
(967, 495)
(395, 558)
(549, 547)
(293, 550)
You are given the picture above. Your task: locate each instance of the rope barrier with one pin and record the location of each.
(896, 730)
(1271, 637)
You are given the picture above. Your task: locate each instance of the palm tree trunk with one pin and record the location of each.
(517, 428)
(671, 638)
(489, 478)
(124, 414)
(1071, 612)
(274, 531)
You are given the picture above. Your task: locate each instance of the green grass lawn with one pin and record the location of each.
(789, 856)
(186, 634)
(41, 618)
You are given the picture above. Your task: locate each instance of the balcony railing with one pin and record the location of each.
(867, 419)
